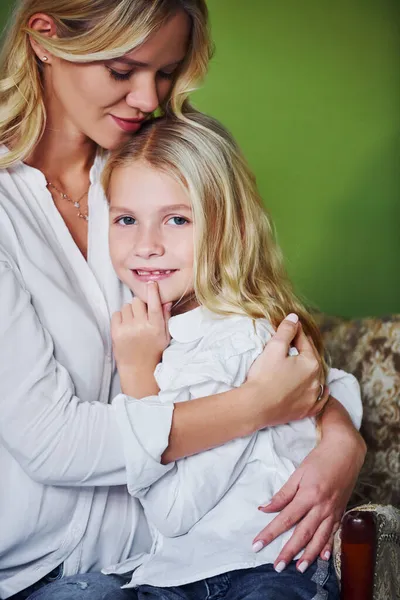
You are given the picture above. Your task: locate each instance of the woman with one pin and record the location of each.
(76, 78)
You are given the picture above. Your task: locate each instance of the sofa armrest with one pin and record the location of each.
(358, 552)
(367, 553)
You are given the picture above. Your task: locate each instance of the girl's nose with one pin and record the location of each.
(148, 244)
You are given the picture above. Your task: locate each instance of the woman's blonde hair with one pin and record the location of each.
(88, 30)
(238, 266)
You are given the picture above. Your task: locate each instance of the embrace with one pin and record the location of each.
(169, 429)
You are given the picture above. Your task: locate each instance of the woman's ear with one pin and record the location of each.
(44, 25)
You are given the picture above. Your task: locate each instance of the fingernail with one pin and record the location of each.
(257, 546)
(151, 282)
(327, 555)
(303, 566)
(281, 566)
(292, 317)
(264, 506)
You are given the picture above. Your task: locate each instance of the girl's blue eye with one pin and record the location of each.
(125, 221)
(178, 220)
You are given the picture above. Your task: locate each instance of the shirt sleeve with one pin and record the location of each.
(197, 483)
(346, 389)
(56, 437)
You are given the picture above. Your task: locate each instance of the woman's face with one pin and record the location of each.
(106, 101)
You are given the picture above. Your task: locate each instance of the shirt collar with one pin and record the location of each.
(192, 325)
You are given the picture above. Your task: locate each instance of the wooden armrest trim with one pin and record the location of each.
(358, 554)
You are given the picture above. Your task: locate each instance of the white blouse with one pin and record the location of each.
(65, 461)
(69, 441)
(203, 512)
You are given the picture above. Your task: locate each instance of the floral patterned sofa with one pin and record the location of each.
(368, 545)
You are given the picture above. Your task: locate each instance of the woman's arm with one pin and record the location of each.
(279, 388)
(60, 439)
(315, 497)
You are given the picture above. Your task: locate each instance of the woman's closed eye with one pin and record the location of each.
(167, 74)
(125, 75)
(119, 75)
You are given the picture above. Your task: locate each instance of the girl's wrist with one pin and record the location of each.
(138, 382)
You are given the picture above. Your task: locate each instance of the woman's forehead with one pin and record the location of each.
(167, 46)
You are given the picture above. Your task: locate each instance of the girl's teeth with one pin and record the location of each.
(153, 272)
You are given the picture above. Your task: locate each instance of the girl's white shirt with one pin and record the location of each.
(69, 441)
(203, 512)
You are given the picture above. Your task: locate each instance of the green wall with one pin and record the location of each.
(311, 90)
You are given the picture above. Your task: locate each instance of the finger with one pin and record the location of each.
(320, 404)
(285, 520)
(167, 311)
(285, 333)
(303, 345)
(311, 551)
(317, 355)
(328, 548)
(167, 315)
(285, 495)
(139, 309)
(126, 312)
(154, 306)
(116, 319)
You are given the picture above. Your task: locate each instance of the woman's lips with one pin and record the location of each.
(156, 275)
(127, 125)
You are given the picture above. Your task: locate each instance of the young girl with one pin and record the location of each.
(188, 235)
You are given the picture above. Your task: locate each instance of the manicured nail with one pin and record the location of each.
(257, 546)
(327, 555)
(303, 566)
(292, 317)
(281, 566)
(264, 505)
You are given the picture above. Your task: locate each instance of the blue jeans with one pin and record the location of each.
(89, 586)
(261, 583)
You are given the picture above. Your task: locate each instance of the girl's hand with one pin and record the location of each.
(314, 499)
(293, 382)
(140, 331)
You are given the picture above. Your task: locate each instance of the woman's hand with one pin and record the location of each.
(315, 498)
(293, 382)
(140, 335)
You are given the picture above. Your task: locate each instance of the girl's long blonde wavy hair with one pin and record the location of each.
(88, 30)
(238, 266)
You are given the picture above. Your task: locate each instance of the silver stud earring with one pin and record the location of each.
(45, 58)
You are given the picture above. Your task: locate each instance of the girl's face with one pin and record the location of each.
(106, 101)
(151, 233)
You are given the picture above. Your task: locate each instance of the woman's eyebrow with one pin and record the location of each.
(136, 63)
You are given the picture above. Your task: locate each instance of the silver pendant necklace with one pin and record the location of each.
(76, 203)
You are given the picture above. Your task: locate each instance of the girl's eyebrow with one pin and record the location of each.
(172, 207)
(117, 209)
(163, 209)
